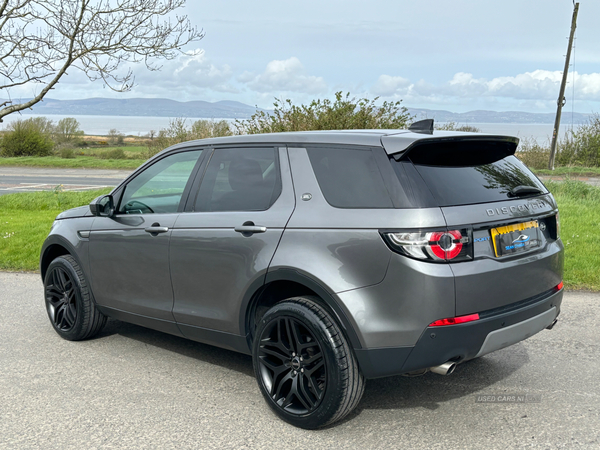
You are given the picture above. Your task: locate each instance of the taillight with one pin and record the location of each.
(559, 286)
(437, 246)
(454, 320)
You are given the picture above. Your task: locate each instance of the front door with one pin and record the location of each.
(129, 252)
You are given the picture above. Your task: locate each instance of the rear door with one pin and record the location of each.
(510, 216)
(224, 242)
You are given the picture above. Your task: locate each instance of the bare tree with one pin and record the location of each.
(41, 39)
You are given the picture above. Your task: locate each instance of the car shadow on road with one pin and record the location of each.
(429, 391)
(191, 349)
(399, 392)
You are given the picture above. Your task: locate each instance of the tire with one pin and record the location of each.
(304, 366)
(69, 303)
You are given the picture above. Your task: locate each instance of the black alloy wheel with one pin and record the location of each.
(69, 303)
(60, 298)
(304, 366)
(292, 365)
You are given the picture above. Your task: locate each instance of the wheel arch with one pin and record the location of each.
(54, 247)
(285, 283)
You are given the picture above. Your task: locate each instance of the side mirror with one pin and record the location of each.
(103, 206)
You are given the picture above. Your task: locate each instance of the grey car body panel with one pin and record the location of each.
(81, 211)
(512, 211)
(489, 283)
(212, 265)
(130, 267)
(394, 312)
(64, 234)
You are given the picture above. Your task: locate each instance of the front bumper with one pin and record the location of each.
(494, 330)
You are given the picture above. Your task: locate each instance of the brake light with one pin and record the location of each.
(559, 286)
(454, 320)
(436, 246)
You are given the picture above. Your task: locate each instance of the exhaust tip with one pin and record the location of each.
(444, 369)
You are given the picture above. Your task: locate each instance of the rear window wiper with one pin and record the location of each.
(521, 191)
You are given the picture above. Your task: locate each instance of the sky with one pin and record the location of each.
(456, 55)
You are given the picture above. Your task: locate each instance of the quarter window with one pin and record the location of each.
(242, 179)
(349, 178)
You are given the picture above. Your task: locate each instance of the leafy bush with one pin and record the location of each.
(117, 153)
(453, 126)
(177, 131)
(532, 154)
(66, 152)
(27, 138)
(67, 130)
(343, 113)
(115, 137)
(581, 147)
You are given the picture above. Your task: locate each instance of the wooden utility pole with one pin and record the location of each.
(561, 97)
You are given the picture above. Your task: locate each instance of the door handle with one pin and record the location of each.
(155, 229)
(248, 229)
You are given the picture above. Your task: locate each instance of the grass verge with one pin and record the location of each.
(570, 171)
(79, 162)
(25, 221)
(579, 206)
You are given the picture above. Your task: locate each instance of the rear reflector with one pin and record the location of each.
(559, 286)
(454, 320)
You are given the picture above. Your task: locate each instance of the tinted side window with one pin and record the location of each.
(349, 178)
(242, 179)
(158, 189)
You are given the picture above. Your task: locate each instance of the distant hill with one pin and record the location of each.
(161, 107)
(493, 116)
(155, 107)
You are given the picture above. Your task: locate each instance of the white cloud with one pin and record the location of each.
(189, 71)
(284, 75)
(387, 85)
(539, 87)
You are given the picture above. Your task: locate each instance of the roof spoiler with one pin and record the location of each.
(422, 126)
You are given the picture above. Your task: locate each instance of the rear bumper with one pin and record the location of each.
(495, 329)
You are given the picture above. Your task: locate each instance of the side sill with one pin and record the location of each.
(217, 338)
(212, 337)
(156, 324)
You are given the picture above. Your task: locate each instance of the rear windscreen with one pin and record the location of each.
(455, 177)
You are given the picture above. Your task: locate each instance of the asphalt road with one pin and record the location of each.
(28, 179)
(141, 389)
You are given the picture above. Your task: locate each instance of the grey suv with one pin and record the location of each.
(330, 257)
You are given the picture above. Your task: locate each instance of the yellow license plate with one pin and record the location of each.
(516, 238)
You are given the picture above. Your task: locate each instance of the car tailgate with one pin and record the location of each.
(491, 281)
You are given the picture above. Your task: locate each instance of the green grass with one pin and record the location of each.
(570, 171)
(25, 221)
(579, 206)
(79, 162)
